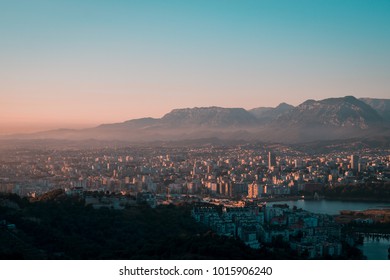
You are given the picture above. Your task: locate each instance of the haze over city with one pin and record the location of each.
(77, 64)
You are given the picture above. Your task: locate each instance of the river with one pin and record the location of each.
(375, 248)
(372, 248)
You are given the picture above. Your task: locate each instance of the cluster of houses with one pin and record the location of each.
(310, 235)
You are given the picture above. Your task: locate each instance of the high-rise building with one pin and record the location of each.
(271, 160)
(253, 190)
(194, 170)
(298, 163)
(239, 189)
(354, 162)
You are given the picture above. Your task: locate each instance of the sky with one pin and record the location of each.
(80, 63)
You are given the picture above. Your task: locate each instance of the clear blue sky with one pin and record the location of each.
(78, 63)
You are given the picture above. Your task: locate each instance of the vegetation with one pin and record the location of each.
(61, 227)
(379, 191)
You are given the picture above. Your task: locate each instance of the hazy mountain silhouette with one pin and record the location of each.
(215, 117)
(382, 106)
(332, 112)
(332, 118)
(268, 114)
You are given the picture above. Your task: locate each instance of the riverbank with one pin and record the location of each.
(365, 217)
(331, 207)
(357, 199)
(312, 198)
(280, 199)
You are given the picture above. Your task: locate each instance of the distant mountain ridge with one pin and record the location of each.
(268, 114)
(333, 112)
(209, 117)
(382, 106)
(328, 119)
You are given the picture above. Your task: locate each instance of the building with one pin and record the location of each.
(354, 162)
(253, 190)
(271, 160)
(298, 163)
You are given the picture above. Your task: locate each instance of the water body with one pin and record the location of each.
(332, 207)
(372, 248)
(375, 248)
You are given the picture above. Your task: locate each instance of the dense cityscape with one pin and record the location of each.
(237, 191)
(231, 172)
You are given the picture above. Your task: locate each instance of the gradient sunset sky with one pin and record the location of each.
(79, 63)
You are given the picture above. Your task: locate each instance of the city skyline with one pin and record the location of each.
(78, 64)
(315, 199)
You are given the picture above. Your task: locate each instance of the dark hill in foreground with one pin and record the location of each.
(58, 227)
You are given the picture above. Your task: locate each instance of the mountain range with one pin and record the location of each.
(328, 119)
